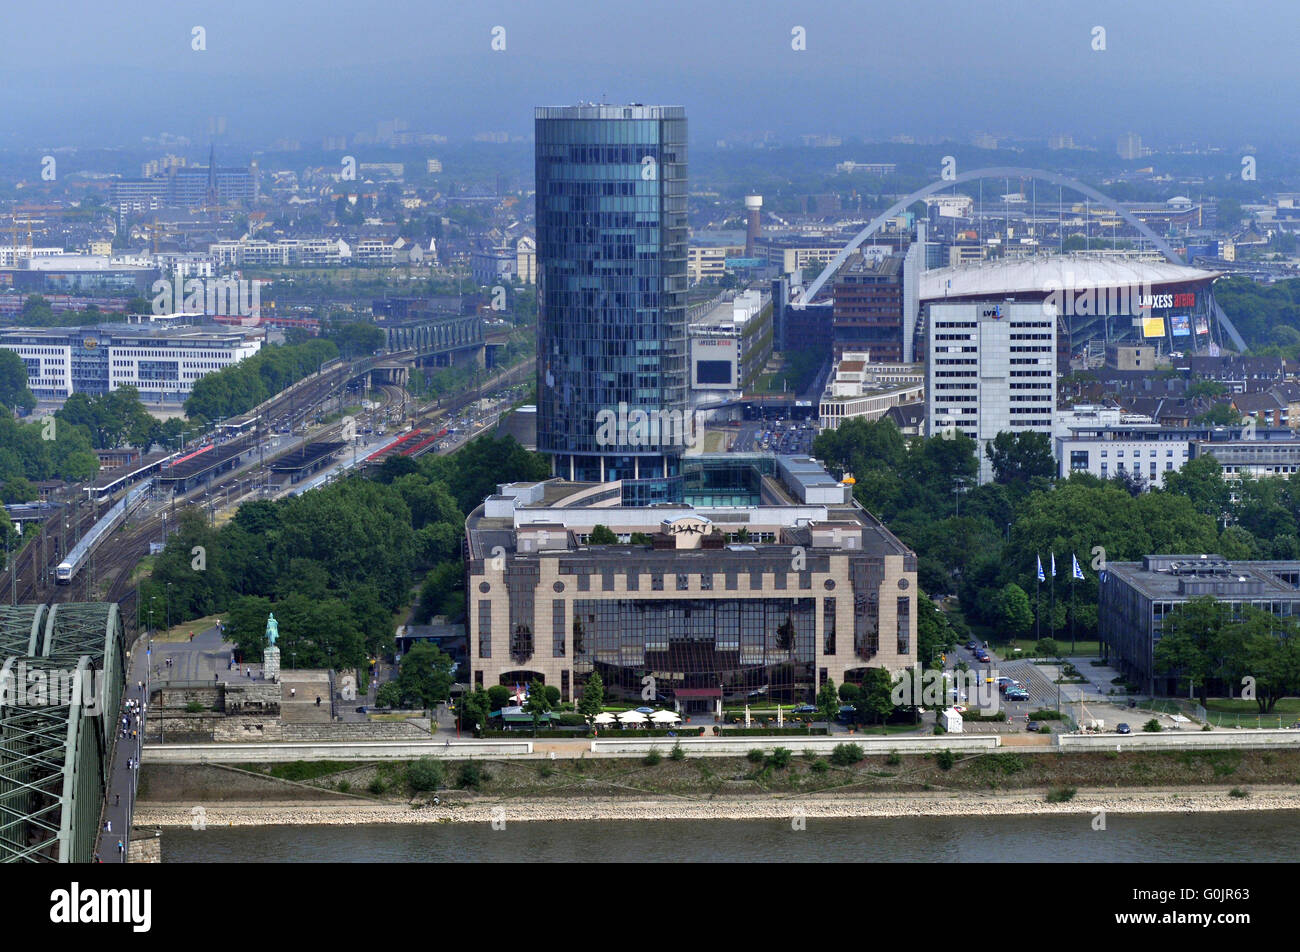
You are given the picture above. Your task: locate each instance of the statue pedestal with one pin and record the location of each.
(271, 663)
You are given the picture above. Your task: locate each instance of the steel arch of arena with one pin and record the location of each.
(1041, 175)
(55, 746)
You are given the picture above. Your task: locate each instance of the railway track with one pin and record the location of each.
(109, 572)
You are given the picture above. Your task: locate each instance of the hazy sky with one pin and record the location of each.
(109, 71)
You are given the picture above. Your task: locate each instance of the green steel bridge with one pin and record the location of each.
(62, 674)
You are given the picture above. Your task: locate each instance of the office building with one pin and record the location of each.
(862, 389)
(161, 362)
(611, 261)
(716, 603)
(868, 311)
(991, 368)
(1135, 598)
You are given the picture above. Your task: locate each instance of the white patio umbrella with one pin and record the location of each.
(665, 717)
(604, 717)
(632, 717)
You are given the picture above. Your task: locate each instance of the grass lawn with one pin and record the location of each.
(183, 631)
(1235, 712)
(887, 728)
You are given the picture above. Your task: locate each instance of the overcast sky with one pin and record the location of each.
(110, 71)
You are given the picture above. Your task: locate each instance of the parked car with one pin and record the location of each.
(1123, 729)
(1033, 726)
(1017, 694)
(804, 709)
(983, 657)
(972, 645)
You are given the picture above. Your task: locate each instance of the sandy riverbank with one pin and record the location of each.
(724, 808)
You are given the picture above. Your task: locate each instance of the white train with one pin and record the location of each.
(90, 541)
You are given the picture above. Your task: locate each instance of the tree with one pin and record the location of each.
(425, 676)
(876, 700)
(14, 393)
(1188, 640)
(593, 696)
(1019, 457)
(828, 701)
(602, 535)
(1047, 648)
(1201, 481)
(537, 703)
(474, 709)
(1221, 414)
(1013, 608)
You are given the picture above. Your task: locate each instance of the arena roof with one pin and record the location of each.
(1042, 275)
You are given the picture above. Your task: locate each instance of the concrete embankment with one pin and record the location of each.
(1084, 804)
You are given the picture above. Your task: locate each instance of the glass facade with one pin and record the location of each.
(611, 255)
(748, 646)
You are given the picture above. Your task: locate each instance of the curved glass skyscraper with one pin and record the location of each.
(611, 258)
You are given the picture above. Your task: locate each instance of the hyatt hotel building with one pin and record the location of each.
(718, 603)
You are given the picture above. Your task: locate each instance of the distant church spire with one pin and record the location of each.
(212, 176)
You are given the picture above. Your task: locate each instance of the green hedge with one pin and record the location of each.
(770, 731)
(527, 733)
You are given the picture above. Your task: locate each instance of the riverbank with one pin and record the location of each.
(555, 809)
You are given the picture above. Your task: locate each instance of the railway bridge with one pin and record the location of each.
(62, 675)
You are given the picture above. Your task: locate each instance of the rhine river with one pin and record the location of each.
(1263, 836)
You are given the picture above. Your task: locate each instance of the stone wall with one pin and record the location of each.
(196, 784)
(212, 698)
(252, 728)
(146, 846)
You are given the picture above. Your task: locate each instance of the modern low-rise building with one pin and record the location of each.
(861, 389)
(1153, 451)
(1135, 598)
(711, 604)
(161, 362)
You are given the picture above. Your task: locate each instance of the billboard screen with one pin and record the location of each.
(1181, 324)
(1153, 327)
(713, 371)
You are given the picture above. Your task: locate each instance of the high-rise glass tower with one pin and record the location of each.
(611, 261)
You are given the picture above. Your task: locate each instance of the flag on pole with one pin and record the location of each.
(1053, 565)
(1041, 576)
(1076, 571)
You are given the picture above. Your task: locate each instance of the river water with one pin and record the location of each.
(1263, 836)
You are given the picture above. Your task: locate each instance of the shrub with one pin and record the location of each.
(343, 786)
(1238, 792)
(425, 774)
(1206, 727)
(846, 755)
(1046, 714)
(1061, 795)
(652, 758)
(677, 753)
(938, 729)
(893, 759)
(377, 787)
(945, 759)
(472, 776)
(780, 757)
(1152, 726)
(545, 770)
(195, 707)
(755, 756)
